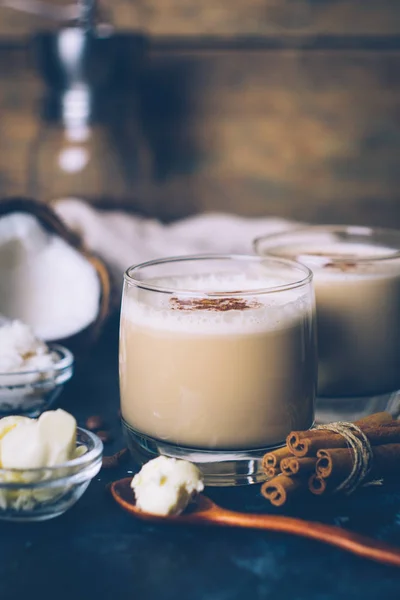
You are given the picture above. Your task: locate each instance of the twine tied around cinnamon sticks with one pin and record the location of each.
(362, 454)
(333, 458)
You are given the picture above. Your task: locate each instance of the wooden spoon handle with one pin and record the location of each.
(329, 534)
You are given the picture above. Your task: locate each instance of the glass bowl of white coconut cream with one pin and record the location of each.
(32, 373)
(46, 491)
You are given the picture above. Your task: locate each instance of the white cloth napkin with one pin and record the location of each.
(122, 239)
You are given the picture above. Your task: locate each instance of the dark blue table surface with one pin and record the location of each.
(96, 551)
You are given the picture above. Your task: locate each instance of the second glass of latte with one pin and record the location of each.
(357, 286)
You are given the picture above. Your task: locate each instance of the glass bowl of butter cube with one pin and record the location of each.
(46, 464)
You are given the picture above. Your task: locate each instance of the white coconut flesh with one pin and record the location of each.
(44, 281)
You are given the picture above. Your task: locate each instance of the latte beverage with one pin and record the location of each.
(357, 288)
(216, 372)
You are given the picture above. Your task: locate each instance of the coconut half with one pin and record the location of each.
(47, 279)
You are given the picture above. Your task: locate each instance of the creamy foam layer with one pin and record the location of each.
(258, 278)
(239, 314)
(328, 258)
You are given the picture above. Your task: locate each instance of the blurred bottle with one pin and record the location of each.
(88, 116)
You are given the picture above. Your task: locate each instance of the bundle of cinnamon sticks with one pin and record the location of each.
(317, 461)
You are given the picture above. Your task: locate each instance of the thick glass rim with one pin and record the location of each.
(304, 280)
(350, 230)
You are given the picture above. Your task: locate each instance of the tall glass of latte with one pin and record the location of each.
(357, 286)
(217, 360)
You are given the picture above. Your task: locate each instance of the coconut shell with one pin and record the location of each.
(53, 224)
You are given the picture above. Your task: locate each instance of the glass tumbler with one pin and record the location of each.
(357, 286)
(217, 360)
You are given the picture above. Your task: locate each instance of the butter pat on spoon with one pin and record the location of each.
(165, 486)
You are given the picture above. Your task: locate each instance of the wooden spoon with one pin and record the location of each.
(205, 512)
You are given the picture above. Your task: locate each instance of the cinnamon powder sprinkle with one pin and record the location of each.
(214, 304)
(343, 266)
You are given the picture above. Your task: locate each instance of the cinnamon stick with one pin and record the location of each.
(300, 444)
(318, 485)
(282, 488)
(338, 462)
(274, 458)
(271, 472)
(334, 461)
(381, 418)
(297, 466)
(309, 445)
(386, 461)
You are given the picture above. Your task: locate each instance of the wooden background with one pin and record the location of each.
(286, 107)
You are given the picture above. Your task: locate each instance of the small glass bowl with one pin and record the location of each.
(29, 393)
(41, 494)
